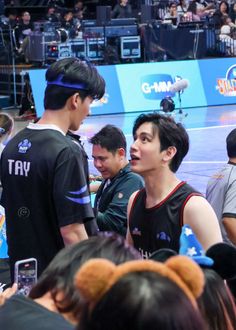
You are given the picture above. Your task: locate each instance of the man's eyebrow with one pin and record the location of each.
(101, 157)
(143, 133)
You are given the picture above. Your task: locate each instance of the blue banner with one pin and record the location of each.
(142, 86)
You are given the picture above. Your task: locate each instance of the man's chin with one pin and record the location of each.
(105, 176)
(134, 168)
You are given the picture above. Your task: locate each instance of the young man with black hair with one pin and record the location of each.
(157, 213)
(45, 188)
(109, 156)
(221, 192)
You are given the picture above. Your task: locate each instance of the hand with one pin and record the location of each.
(7, 293)
(93, 178)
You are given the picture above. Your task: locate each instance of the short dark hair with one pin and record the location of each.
(172, 4)
(170, 134)
(142, 300)
(110, 137)
(59, 275)
(74, 71)
(231, 144)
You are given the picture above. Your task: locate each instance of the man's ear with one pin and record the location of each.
(121, 152)
(75, 101)
(169, 153)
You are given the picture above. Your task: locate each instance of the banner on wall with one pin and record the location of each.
(219, 77)
(142, 86)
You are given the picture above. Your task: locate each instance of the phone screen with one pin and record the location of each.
(25, 275)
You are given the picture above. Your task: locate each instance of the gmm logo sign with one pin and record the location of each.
(156, 86)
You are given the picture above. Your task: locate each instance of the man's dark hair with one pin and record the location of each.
(59, 275)
(109, 137)
(170, 134)
(72, 71)
(231, 144)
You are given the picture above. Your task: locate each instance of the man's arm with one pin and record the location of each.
(230, 227)
(93, 187)
(73, 233)
(199, 214)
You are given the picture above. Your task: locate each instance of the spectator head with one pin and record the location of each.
(224, 7)
(58, 277)
(231, 144)
(26, 17)
(109, 151)
(140, 295)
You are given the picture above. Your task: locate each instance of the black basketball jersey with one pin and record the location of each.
(44, 188)
(160, 226)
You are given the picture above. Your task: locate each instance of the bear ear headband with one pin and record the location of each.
(97, 276)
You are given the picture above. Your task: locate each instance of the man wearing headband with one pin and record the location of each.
(44, 173)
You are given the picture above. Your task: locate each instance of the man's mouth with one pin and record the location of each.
(133, 157)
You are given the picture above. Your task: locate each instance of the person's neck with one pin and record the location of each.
(232, 160)
(123, 164)
(47, 302)
(158, 185)
(55, 117)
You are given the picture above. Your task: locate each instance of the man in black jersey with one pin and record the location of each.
(157, 213)
(45, 188)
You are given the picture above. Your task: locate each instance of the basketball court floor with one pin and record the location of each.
(207, 129)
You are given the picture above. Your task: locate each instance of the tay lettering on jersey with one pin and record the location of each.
(17, 167)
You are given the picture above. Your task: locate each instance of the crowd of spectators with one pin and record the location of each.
(220, 15)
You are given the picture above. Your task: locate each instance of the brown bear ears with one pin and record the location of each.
(96, 276)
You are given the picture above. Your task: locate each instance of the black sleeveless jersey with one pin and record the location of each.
(160, 226)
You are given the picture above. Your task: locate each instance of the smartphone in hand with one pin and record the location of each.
(25, 275)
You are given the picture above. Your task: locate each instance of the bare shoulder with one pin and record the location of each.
(197, 203)
(199, 214)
